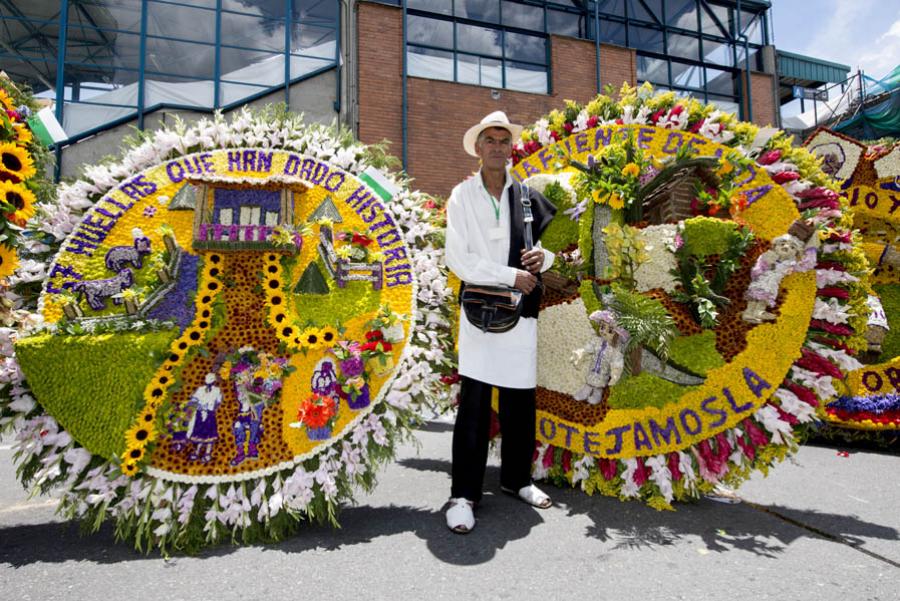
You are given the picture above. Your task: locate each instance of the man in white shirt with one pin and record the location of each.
(485, 246)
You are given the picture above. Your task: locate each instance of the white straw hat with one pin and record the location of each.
(495, 119)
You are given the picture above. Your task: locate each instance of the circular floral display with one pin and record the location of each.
(241, 319)
(702, 300)
(870, 181)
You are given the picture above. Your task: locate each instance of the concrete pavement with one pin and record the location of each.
(820, 527)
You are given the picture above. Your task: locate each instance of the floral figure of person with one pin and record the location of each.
(203, 429)
(789, 254)
(604, 356)
(247, 426)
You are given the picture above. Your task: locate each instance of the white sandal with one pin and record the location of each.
(532, 495)
(460, 517)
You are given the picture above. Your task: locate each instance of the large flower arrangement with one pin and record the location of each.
(203, 450)
(868, 176)
(657, 176)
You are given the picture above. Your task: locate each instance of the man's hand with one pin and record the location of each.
(525, 281)
(533, 260)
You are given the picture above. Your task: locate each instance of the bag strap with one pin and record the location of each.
(524, 194)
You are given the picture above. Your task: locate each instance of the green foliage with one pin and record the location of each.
(312, 281)
(697, 353)
(645, 319)
(93, 386)
(645, 390)
(707, 235)
(586, 238)
(890, 300)
(562, 231)
(693, 271)
(589, 297)
(626, 254)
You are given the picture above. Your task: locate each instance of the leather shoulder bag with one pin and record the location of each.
(498, 308)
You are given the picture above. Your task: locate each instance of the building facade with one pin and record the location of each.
(414, 72)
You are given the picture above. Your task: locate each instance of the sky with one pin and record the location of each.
(862, 34)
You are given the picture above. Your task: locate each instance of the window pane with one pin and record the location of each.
(181, 58)
(751, 25)
(320, 12)
(527, 78)
(89, 46)
(612, 32)
(709, 25)
(252, 32)
(253, 66)
(124, 15)
(563, 23)
(612, 7)
(719, 82)
(187, 23)
(636, 10)
(478, 10)
(443, 7)
(180, 91)
(422, 30)
(235, 92)
(312, 38)
(479, 70)
(433, 64)
(682, 13)
(684, 46)
(644, 38)
(718, 52)
(523, 15)
(478, 39)
(526, 48)
(687, 76)
(654, 70)
(727, 104)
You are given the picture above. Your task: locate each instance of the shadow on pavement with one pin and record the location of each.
(751, 528)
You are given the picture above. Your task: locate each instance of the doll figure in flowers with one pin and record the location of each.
(257, 383)
(603, 358)
(789, 254)
(203, 430)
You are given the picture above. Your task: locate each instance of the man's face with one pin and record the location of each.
(494, 147)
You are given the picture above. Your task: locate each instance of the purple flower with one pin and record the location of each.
(150, 211)
(352, 367)
(575, 212)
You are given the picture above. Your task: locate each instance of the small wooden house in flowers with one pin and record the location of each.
(231, 218)
(667, 197)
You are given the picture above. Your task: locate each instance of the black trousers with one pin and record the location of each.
(470, 438)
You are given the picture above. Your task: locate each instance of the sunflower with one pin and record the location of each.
(615, 201)
(15, 163)
(6, 100)
(21, 199)
(146, 417)
(312, 338)
(631, 170)
(329, 335)
(139, 435)
(129, 469)
(23, 135)
(9, 261)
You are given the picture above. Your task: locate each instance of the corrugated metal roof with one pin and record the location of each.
(806, 68)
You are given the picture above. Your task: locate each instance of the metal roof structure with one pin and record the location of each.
(805, 71)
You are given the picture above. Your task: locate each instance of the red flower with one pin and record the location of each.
(592, 121)
(834, 292)
(657, 116)
(376, 342)
(754, 433)
(554, 135)
(804, 394)
(429, 204)
(767, 158)
(834, 343)
(548, 457)
(449, 379)
(568, 127)
(361, 239)
(746, 448)
(642, 473)
(785, 416)
(566, 461)
(713, 209)
(818, 364)
(696, 126)
(676, 110)
(783, 177)
(620, 122)
(817, 192)
(317, 410)
(609, 468)
(674, 466)
(831, 328)
(831, 265)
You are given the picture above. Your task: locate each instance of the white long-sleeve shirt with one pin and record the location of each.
(477, 251)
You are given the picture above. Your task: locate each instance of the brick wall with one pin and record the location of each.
(440, 112)
(380, 72)
(765, 112)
